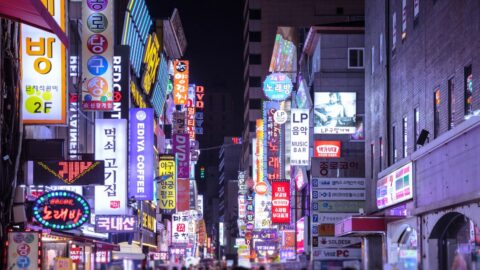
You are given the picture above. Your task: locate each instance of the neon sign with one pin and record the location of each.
(277, 86)
(61, 210)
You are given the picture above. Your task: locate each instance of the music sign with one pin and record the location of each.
(68, 172)
(327, 149)
(281, 202)
(61, 210)
(115, 224)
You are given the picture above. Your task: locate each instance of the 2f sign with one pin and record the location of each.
(299, 117)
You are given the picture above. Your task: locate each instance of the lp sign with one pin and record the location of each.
(300, 137)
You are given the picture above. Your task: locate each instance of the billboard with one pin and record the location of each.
(284, 56)
(43, 69)
(300, 137)
(263, 210)
(281, 202)
(68, 172)
(334, 112)
(277, 86)
(141, 154)
(166, 186)
(111, 146)
(180, 82)
(116, 224)
(395, 187)
(97, 55)
(23, 251)
(327, 149)
(183, 195)
(181, 148)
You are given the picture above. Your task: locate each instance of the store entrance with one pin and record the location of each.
(458, 242)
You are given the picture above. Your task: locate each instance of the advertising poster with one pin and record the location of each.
(43, 69)
(22, 251)
(281, 202)
(335, 112)
(180, 82)
(183, 195)
(166, 188)
(97, 55)
(181, 148)
(395, 187)
(284, 56)
(68, 172)
(111, 145)
(263, 211)
(300, 137)
(141, 154)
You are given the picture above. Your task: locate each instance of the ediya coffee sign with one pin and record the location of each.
(327, 149)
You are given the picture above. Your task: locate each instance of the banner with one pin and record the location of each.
(22, 251)
(141, 154)
(43, 71)
(281, 202)
(180, 82)
(183, 195)
(111, 146)
(181, 148)
(97, 55)
(166, 185)
(300, 137)
(68, 172)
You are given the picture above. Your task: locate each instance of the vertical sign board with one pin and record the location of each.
(97, 55)
(73, 122)
(199, 106)
(281, 202)
(259, 154)
(180, 82)
(191, 112)
(111, 146)
(179, 228)
(121, 83)
(166, 186)
(183, 195)
(273, 141)
(43, 71)
(300, 138)
(181, 148)
(22, 251)
(141, 154)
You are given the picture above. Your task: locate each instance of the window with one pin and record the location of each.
(416, 12)
(255, 36)
(380, 160)
(405, 136)
(380, 49)
(404, 19)
(255, 59)
(468, 85)
(255, 81)
(436, 113)
(255, 104)
(355, 57)
(394, 32)
(339, 11)
(451, 104)
(373, 59)
(416, 126)
(394, 145)
(255, 14)
(372, 157)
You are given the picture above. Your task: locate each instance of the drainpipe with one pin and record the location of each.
(388, 82)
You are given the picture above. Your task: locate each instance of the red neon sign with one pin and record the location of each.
(281, 202)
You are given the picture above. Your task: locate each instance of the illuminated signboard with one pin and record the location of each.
(181, 148)
(23, 251)
(61, 210)
(43, 66)
(68, 172)
(179, 227)
(200, 205)
(327, 149)
(166, 186)
(115, 224)
(300, 137)
(121, 83)
(277, 86)
(263, 210)
(137, 96)
(147, 217)
(300, 231)
(273, 141)
(141, 154)
(250, 218)
(160, 88)
(199, 106)
(334, 112)
(281, 202)
(73, 122)
(284, 56)
(191, 111)
(111, 145)
(300, 177)
(151, 59)
(136, 27)
(97, 55)
(221, 234)
(180, 82)
(259, 154)
(395, 187)
(179, 123)
(183, 195)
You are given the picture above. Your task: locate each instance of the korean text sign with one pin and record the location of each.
(97, 55)
(43, 66)
(111, 146)
(281, 202)
(179, 227)
(273, 141)
(181, 148)
(167, 186)
(68, 172)
(141, 154)
(300, 137)
(22, 251)
(327, 149)
(180, 82)
(115, 224)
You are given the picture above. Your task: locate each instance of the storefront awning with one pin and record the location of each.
(34, 13)
(360, 226)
